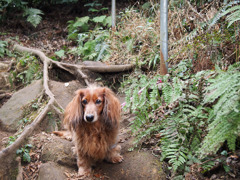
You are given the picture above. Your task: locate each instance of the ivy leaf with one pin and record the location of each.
(28, 146)
(60, 53)
(26, 157)
(107, 21)
(99, 19)
(19, 151)
(81, 22)
(92, 10)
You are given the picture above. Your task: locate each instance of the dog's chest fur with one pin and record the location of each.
(94, 140)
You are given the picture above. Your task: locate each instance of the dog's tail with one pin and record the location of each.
(63, 134)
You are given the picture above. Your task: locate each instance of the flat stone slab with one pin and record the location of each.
(60, 151)
(64, 92)
(11, 112)
(136, 166)
(51, 171)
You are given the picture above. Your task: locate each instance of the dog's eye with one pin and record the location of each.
(98, 101)
(84, 101)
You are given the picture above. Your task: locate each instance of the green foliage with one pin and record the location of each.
(180, 109)
(33, 16)
(234, 14)
(79, 25)
(83, 24)
(142, 98)
(92, 46)
(95, 7)
(60, 53)
(24, 152)
(183, 69)
(182, 129)
(172, 91)
(27, 70)
(225, 117)
(235, 10)
(3, 48)
(11, 140)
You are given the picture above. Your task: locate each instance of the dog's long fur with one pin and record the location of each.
(93, 118)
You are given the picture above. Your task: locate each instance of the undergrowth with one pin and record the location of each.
(194, 116)
(26, 70)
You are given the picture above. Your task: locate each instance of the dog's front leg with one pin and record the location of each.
(113, 155)
(84, 166)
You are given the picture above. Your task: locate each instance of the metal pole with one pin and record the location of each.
(164, 30)
(113, 14)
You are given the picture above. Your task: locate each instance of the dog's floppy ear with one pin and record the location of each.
(73, 114)
(111, 109)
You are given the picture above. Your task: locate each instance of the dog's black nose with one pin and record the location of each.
(90, 117)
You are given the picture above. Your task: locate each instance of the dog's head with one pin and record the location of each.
(93, 104)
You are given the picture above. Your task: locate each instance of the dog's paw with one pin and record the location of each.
(117, 159)
(82, 172)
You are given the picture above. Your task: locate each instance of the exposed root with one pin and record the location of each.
(5, 95)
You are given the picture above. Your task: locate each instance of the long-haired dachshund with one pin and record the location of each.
(93, 118)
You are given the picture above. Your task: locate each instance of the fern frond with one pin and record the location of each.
(33, 16)
(225, 117)
(172, 91)
(222, 12)
(224, 83)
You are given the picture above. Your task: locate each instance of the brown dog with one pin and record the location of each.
(93, 118)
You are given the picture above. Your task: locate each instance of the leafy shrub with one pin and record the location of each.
(27, 69)
(224, 120)
(83, 24)
(3, 48)
(33, 15)
(24, 152)
(92, 46)
(80, 24)
(180, 109)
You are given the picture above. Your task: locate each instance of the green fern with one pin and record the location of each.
(172, 91)
(32, 72)
(189, 126)
(142, 98)
(225, 116)
(33, 16)
(223, 11)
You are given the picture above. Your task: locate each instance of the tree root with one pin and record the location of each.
(73, 68)
(52, 103)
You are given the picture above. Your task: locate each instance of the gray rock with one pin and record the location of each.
(64, 92)
(60, 151)
(136, 165)
(11, 112)
(51, 171)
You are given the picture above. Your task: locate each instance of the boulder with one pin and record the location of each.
(11, 112)
(60, 151)
(64, 92)
(136, 165)
(51, 170)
